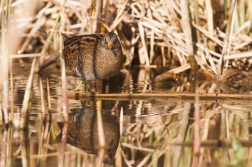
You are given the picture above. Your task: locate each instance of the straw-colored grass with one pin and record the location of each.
(180, 35)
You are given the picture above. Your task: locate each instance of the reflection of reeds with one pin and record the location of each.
(172, 140)
(154, 25)
(25, 111)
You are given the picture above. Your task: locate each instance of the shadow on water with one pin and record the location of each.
(154, 131)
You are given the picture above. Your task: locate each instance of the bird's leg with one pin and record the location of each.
(86, 87)
(92, 86)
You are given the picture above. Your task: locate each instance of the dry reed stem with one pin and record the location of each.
(15, 56)
(5, 61)
(180, 95)
(186, 27)
(121, 122)
(63, 81)
(11, 92)
(209, 11)
(48, 95)
(207, 144)
(42, 96)
(160, 23)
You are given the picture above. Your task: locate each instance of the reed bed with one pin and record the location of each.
(180, 35)
(154, 26)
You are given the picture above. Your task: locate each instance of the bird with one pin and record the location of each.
(93, 56)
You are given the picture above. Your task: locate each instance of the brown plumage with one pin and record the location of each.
(94, 56)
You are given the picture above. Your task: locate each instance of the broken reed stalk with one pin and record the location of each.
(5, 59)
(63, 81)
(27, 96)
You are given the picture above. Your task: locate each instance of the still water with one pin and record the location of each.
(153, 131)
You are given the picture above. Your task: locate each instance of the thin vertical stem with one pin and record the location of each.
(5, 62)
(63, 80)
(42, 99)
(48, 95)
(196, 18)
(99, 7)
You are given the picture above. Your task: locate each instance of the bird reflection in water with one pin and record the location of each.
(83, 132)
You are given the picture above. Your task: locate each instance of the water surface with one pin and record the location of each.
(154, 132)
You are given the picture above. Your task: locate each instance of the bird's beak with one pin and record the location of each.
(106, 155)
(110, 45)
